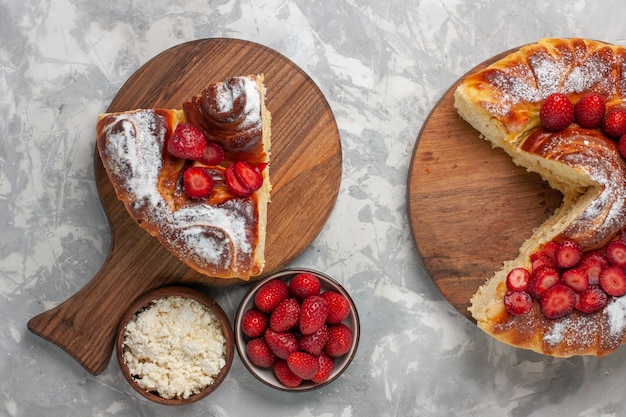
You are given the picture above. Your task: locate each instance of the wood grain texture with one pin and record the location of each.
(470, 207)
(305, 172)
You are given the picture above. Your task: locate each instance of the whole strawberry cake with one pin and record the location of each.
(558, 108)
(197, 178)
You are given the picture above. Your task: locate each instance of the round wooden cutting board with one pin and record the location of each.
(470, 207)
(305, 172)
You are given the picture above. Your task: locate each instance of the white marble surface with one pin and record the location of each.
(382, 65)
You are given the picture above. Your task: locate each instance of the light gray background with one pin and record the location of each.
(382, 65)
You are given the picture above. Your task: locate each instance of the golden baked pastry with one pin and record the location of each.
(220, 233)
(503, 102)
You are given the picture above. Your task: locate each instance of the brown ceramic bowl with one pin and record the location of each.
(145, 302)
(266, 375)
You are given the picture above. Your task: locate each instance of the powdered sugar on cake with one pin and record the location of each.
(137, 161)
(246, 89)
(582, 330)
(544, 75)
(616, 314)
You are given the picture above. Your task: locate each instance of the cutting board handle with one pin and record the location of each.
(85, 325)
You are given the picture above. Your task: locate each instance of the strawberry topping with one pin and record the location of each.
(541, 280)
(593, 263)
(545, 256)
(613, 281)
(187, 142)
(243, 178)
(616, 253)
(589, 111)
(556, 113)
(568, 254)
(614, 123)
(576, 278)
(557, 301)
(213, 154)
(197, 182)
(518, 279)
(592, 299)
(517, 302)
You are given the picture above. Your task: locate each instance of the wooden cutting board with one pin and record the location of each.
(470, 207)
(305, 173)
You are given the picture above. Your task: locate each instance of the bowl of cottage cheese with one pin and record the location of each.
(175, 345)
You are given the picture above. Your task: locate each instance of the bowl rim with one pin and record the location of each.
(185, 292)
(240, 338)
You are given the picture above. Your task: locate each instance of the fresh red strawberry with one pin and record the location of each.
(614, 123)
(285, 316)
(314, 343)
(213, 154)
(592, 299)
(593, 263)
(281, 343)
(327, 364)
(544, 256)
(233, 183)
(589, 111)
(621, 146)
(304, 285)
(254, 323)
(249, 175)
(187, 142)
(568, 254)
(197, 182)
(542, 280)
(259, 353)
(303, 364)
(284, 375)
(616, 253)
(557, 301)
(270, 294)
(613, 281)
(338, 307)
(556, 113)
(576, 278)
(313, 314)
(339, 340)
(243, 178)
(518, 279)
(517, 302)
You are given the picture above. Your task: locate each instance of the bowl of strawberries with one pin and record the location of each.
(297, 330)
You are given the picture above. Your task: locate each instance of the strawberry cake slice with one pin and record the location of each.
(558, 107)
(197, 178)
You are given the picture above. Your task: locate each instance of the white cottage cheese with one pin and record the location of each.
(175, 347)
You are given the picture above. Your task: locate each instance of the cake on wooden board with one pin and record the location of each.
(197, 178)
(557, 107)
